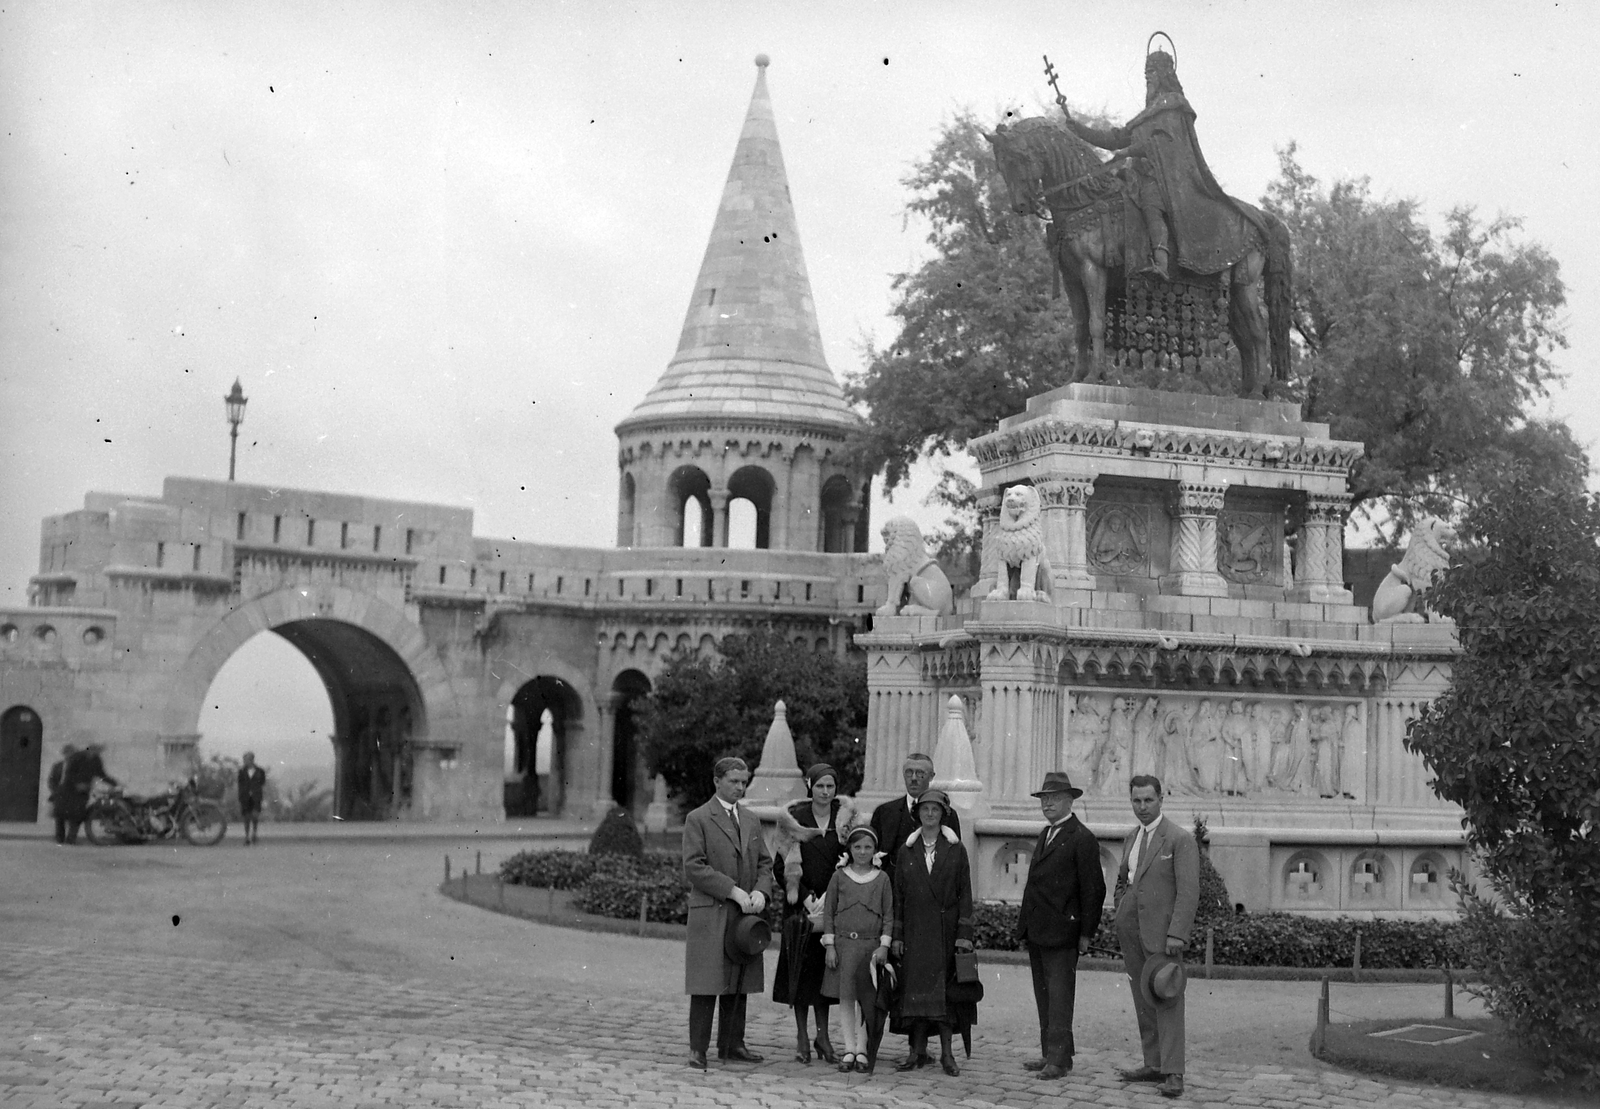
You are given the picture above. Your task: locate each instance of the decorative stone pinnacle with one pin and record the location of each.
(762, 61)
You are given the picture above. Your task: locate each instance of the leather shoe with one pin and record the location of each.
(912, 1062)
(1051, 1071)
(697, 1060)
(1034, 1064)
(742, 1054)
(1171, 1086)
(1140, 1074)
(948, 1062)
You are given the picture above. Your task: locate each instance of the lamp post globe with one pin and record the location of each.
(235, 402)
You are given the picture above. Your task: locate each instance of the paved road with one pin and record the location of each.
(300, 974)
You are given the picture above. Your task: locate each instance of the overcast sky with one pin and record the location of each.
(446, 247)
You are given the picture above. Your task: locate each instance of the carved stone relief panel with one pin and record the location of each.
(1119, 539)
(1249, 547)
(1271, 746)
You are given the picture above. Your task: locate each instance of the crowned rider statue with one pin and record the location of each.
(1184, 210)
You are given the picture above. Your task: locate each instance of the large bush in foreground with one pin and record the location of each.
(1516, 743)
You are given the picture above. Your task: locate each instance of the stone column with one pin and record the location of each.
(1319, 557)
(605, 752)
(1020, 724)
(778, 515)
(719, 517)
(847, 524)
(1065, 516)
(988, 523)
(1194, 542)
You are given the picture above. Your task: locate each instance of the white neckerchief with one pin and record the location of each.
(928, 850)
(1141, 841)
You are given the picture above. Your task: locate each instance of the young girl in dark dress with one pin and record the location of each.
(856, 917)
(813, 832)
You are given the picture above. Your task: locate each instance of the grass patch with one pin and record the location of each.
(1488, 1060)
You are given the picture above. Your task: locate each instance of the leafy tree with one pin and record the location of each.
(1428, 349)
(1513, 742)
(306, 802)
(704, 708)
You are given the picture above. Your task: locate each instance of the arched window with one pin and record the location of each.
(689, 484)
(625, 499)
(750, 492)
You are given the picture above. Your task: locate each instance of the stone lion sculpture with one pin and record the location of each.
(1019, 542)
(917, 586)
(1400, 596)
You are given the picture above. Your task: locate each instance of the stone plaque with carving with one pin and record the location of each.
(1119, 539)
(1247, 546)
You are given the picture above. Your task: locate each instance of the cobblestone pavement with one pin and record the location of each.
(99, 1019)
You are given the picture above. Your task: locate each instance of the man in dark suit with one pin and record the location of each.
(729, 871)
(252, 786)
(894, 820)
(58, 804)
(1060, 914)
(77, 778)
(1159, 892)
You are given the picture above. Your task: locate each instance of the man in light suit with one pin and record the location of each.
(729, 871)
(1158, 892)
(1060, 914)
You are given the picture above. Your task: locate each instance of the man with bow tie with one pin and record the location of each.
(1060, 914)
(729, 871)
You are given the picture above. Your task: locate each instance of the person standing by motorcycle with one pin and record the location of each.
(77, 778)
(252, 786)
(58, 806)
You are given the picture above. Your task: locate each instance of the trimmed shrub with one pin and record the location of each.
(617, 835)
(562, 870)
(617, 884)
(1216, 903)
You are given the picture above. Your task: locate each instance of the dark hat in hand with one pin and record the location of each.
(748, 935)
(1057, 782)
(1163, 980)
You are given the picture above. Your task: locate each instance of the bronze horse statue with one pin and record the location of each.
(1052, 173)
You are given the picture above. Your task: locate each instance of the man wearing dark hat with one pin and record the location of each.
(1060, 914)
(894, 820)
(77, 779)
(1158, 892)
(729, 871)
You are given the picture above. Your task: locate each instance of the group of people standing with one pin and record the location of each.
(70, 780)
(878, 919)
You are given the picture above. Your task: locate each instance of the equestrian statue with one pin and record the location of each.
(1156, 259)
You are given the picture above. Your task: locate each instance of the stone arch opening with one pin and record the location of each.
(628, 780)
(752, 486)
(543, 717)
(838, 520)
(21, 758)
(690, 483)
(377, 715)
(625, 511)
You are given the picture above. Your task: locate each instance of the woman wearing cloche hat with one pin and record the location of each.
(932, 921)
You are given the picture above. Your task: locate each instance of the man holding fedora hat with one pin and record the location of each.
(1158, 892)
(729, 871)
(1060, 914)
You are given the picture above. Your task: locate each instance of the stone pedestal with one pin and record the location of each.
(1180, 641)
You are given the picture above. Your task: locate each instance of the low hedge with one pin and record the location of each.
(612, 886)
(1273, 939)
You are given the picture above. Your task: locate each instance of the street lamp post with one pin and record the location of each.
(235, 402)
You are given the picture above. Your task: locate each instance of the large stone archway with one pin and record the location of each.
(388, 691)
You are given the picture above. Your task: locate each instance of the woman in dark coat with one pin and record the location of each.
(813, 833)
(932, 921)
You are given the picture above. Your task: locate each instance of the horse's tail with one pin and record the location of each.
(1279, 275)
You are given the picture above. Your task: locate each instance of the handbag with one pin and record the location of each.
(966, 966)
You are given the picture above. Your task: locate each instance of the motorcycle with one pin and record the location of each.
(118, 817)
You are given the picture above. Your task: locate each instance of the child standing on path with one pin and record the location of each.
(857, 912)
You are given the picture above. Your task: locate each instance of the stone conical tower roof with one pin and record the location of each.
(750, 347)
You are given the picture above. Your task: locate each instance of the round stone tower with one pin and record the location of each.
(747, 408)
